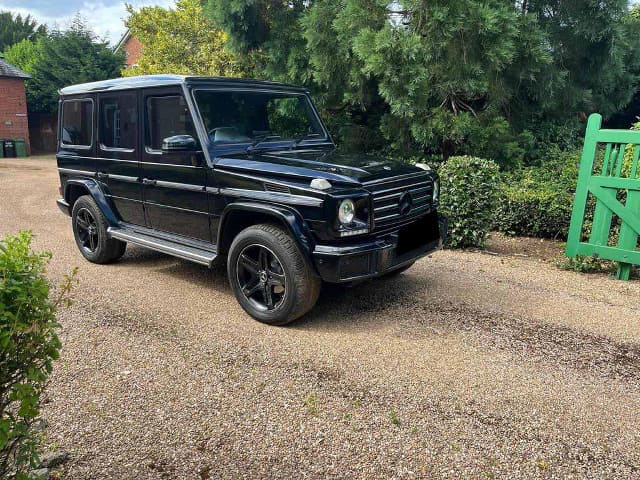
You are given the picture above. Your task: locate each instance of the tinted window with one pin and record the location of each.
(118, 121)
(245, 116)
(167, 116)
(77, 122)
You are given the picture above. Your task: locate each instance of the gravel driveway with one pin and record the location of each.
(467, 366)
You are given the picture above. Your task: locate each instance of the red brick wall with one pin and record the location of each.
(133, 48)
(13, 110)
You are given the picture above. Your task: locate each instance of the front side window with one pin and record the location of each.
(167, 116)
(77, 123)
(242, 116)
(118, 122)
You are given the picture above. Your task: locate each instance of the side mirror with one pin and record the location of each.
(179, 143)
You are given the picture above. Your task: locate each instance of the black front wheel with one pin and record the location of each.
(270, 277)
(90, 231)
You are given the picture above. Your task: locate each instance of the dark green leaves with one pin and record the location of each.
(28, 345)
(469, 198)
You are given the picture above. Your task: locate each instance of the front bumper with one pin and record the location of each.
(380, 255)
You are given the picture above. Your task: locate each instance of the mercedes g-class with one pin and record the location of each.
(243, 170)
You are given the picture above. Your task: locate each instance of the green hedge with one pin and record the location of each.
(469, 187)
(537, 201)
(28, 346)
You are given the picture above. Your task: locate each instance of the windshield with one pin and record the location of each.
(248, 117)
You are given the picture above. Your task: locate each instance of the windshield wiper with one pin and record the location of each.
(297, 141)
(261, 139)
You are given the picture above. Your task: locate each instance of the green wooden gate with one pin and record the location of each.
(617, 177)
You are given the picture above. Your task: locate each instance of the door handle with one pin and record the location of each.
(148, 181)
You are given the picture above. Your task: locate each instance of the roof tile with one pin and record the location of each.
(8, 70)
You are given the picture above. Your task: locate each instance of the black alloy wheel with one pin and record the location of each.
(271, 278)
(87, 228)
(90, 232)
(261, 277)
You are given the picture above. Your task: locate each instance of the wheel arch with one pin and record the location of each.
(240, 215)
(75, 188)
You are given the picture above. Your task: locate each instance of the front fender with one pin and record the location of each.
(91, 186)
(289, 217)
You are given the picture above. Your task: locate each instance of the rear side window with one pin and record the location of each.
(77, 123)
(118, 122)
(166, 117)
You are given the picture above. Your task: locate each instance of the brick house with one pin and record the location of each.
(13, 104)
(132, 48)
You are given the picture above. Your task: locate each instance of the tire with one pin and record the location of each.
(264, 263)
(90, 232)
(398, 271)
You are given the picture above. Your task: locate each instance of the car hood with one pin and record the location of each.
(307, 164)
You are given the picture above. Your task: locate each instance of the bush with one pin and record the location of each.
(28, 346)
(537, 201)
(469, 198)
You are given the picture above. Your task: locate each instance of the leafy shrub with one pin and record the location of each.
(28, 346)
(469, 198)
(592, 264)
(537, 201)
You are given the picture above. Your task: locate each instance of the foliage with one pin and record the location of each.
(492, 79)
(537, 201)
(180, 41)
(586, 264)
(63, 58)
(24, 54)
(28, 346)
(595, 48)
(469, 199)
(18, 28)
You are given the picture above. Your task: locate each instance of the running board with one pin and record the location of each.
(193, 254)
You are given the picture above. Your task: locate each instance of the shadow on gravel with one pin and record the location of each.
(400, 304)
(532, 340)
(198, 275)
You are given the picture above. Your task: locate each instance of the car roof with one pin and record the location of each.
(146, 81)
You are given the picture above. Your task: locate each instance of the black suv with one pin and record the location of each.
(206, 167)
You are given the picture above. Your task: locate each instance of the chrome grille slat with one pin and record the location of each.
(395, 215)
(402, 187)
(386, 194)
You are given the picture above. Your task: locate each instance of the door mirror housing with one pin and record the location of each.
(179, 143)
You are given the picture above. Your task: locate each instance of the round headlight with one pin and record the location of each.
(436, 191)
(346, 211)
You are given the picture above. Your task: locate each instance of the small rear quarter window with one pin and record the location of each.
(77, 123)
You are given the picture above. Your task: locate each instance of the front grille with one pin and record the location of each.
(387, 194)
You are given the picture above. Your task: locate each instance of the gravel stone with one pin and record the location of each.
(40, 474)
(467, 366)
(53, 459)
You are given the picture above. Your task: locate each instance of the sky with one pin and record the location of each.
(104, 17)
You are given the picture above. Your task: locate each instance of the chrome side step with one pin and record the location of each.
(193, 254)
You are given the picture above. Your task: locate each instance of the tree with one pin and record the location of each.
(63, 58)
(15, 29)
(437, 78)
(594, 43)
(24, 54)
(180, 41)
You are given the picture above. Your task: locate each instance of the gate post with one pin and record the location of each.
(582, 190)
